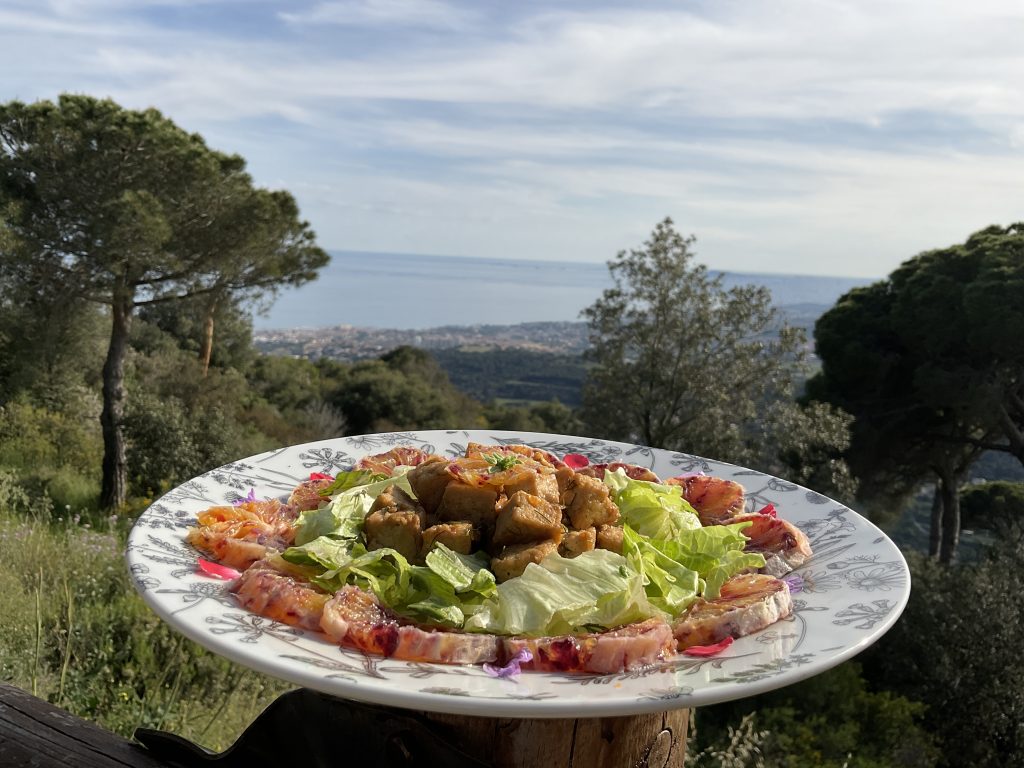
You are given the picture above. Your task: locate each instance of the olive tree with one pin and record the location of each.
(680, 362)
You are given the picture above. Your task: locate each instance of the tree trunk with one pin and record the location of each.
(639, 741)
(949, 487)
(935, 529)
(206, 352)
(113, 490)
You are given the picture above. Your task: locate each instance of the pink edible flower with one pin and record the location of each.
(216, 570)
(768, 509)
(708, 650)
(512, 668)
(576, 460)
(320, 476)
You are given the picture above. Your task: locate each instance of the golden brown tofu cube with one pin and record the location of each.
(514, 558)
(394, 499)
(474, 503)
(564, 476)
(588, 503)
(577, 542)
(610, 537)
(399, 530)
(535, 481)
(458, 537)
(428, 482)
(524, 518)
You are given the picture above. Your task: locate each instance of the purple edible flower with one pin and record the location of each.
(250, 497)
(512, 668)
(795, 582)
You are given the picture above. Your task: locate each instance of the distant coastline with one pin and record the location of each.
(418, 292)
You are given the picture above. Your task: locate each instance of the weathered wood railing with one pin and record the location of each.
(310, 729)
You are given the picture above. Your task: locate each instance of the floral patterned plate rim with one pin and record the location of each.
(846, 596)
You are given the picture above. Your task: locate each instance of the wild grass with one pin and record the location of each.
(75, 633)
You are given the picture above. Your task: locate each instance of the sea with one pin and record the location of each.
(413, 291)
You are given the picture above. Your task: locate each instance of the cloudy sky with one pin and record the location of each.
(798, 136)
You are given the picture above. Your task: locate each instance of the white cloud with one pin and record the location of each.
(568, 134)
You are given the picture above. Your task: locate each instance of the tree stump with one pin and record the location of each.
(641, 741)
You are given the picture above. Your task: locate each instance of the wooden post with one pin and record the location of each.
(639, 741)
(35, 733)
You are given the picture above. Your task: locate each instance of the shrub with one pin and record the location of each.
(829, 721)
(956, 647)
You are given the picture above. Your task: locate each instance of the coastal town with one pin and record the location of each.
(350, 343)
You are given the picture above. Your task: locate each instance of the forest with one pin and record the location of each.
(132, 259)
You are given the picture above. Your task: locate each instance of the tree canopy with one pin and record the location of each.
(930, 363)
(123, 208)
(680, 362)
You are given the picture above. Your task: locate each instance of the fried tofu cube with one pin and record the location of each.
(428, 481)
(395, 520)
(475, 503)
(610, 537)
(525, 518)
(458, 537)
(536, 482)
(577, 542)
(564, 476)
(399, 530)
(394, 499)
(588, 503)
(514, 558)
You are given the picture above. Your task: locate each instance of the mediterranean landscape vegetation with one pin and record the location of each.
(132, 259)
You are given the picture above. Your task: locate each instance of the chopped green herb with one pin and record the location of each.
(500, 462)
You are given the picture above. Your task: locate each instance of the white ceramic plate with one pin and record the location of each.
(851, 591)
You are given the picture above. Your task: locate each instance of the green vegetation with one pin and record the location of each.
(682, 363)
(520, 375)
(76, 633)
(124, 209)
(113, 388)
(929, 363)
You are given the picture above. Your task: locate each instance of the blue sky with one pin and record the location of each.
(794, 136)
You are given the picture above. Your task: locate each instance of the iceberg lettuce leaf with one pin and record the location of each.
(595, 589)
(343, 517)
(651, 509)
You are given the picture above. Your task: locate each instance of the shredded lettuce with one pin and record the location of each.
(651, 509)
(670, 585)
(560, 595)
(714, 553)
(346, 480)
(343, 517)
(444, 591)
(467, 574)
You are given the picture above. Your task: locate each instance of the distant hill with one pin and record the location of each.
(515, 375)
(502, 329)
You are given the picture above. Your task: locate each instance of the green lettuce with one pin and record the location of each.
(714, 553)
(467, 574)
(670, 585)
(651, 509)
(594, 590)
(343, 481)
(343, 517)
(444, 591)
